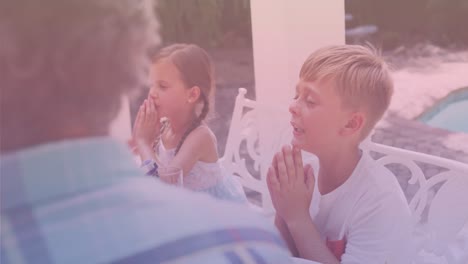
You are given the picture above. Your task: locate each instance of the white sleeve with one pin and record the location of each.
(379, 231)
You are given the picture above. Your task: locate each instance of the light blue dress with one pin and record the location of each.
(211, 178)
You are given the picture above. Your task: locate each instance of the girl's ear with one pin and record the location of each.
(193, 94)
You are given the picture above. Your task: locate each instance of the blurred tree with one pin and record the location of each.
(402, 21)
(204, 22)
(194, 21)
(447, 20)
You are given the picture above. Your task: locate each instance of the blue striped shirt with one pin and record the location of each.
(86, 201)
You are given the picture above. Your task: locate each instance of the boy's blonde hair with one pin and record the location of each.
(359, 75)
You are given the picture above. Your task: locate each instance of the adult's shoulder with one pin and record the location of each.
(141, 220)
(175, 214)
(200, 210)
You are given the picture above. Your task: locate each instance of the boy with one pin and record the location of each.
(363, 216)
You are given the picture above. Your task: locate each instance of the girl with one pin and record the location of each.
(181, 92)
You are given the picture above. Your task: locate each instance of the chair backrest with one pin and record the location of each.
(246, 153)
(439, 205)
(441, 210)
(413, 161)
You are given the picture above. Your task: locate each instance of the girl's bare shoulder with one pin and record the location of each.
(205, 140)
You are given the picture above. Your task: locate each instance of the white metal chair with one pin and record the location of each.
(246, 154)
(438, 206)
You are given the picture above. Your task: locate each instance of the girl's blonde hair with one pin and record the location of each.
(196, 69)
(359, 76)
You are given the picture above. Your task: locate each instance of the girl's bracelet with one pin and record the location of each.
(150, 167)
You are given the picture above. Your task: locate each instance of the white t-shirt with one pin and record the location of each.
(370, 212)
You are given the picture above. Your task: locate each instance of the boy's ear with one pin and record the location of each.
(354, 124)
(193, 94)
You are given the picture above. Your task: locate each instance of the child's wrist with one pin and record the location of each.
(143, 143)
(297, 220)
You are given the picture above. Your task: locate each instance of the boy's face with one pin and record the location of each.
(317, 117)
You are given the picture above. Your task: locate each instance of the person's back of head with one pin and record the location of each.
(359, 76)
(64, 65)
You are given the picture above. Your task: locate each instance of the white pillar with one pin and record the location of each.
(284, 33)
